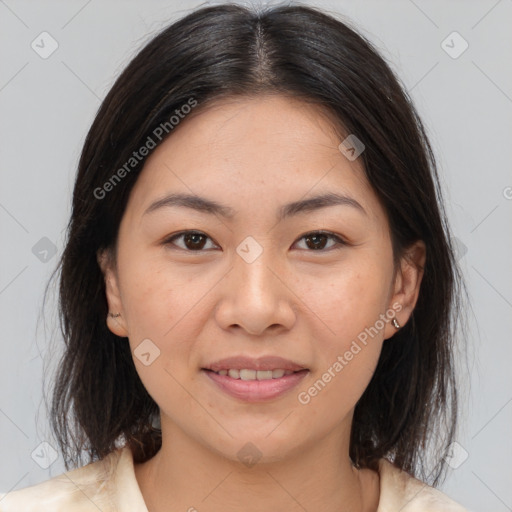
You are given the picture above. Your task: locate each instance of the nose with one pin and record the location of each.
(256, 296)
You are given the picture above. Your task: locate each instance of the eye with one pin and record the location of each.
(192, 240)
(195, 240)
(316, 240)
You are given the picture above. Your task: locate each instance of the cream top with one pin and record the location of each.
(110, 485)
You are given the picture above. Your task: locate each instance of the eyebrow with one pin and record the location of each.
(204, 205)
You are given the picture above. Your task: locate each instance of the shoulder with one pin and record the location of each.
(401, 491)
(80, 490)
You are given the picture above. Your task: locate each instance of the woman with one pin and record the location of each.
(258, 288)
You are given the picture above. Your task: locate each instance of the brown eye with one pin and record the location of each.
(192, 240)
(195, 241)
(317, 240)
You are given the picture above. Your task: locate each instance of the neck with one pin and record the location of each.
(185, 475)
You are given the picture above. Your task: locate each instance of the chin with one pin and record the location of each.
(249, 450)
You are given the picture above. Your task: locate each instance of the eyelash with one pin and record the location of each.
(339, 241)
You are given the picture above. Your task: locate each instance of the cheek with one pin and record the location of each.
(348, 349)
(164, 307)
(158, 299)
(350, 329)
(169, 308)
(350, 301)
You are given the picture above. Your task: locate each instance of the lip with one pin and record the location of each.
(251, 363)
(256, 390)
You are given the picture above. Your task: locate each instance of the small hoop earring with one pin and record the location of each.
(114, 316)
(396, 325)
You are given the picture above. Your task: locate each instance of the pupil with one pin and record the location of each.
(194, 238)
(316, 240)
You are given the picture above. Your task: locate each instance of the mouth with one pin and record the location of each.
(248, 374)
(255, 380)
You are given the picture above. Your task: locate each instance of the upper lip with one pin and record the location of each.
(251, 363)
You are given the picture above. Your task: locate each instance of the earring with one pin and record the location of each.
(396, 325)
(114, 316)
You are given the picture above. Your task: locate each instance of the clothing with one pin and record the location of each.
(110, 485)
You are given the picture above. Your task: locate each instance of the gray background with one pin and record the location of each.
(47, 105)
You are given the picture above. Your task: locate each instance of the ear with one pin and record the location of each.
(117, 324)
(407, 285)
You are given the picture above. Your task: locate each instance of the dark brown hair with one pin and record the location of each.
(410, 406)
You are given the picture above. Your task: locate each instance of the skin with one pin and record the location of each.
(254, 155)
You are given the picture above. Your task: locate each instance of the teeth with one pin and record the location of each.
(234, 374)
(246, 374)
(264, 375)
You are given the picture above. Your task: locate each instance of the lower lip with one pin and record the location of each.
(256, 390)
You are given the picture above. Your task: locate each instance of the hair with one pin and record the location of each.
(409, 408)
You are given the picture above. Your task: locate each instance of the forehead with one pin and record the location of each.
(241, 150)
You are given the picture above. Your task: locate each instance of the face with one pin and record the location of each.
(253, 279)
